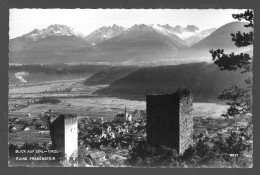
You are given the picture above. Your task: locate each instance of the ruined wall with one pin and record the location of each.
(169, 120)
(71, 134)
(163, 120)
(186, 122)
(64, 133)
(56, 125)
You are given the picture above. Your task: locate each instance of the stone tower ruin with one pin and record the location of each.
(64, 133)
(169, 120)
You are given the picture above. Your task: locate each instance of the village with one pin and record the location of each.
(105, 142)
(107, 138)
(110, 142)
(97, 139)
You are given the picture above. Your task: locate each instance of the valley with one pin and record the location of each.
(81, 100)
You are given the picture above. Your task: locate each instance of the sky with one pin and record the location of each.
(85, 21)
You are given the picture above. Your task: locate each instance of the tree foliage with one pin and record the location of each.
(198, 155)
(239, 98)
(144, 154)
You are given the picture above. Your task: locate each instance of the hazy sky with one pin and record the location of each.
(85, 21)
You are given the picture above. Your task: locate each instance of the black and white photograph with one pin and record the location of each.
(139, 88)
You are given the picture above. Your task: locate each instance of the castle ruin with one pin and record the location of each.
(169, 120)
(64, 133)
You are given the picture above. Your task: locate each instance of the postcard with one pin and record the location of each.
(131, 88)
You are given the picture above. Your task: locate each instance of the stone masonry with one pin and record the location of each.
(64, 133)
(169, 120)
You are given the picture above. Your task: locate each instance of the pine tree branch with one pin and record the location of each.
(243, 39)
(248, 15)
(231, 61)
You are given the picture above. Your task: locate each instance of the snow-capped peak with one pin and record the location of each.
(191, 33)
(160, 29)
(52, 30)
(104, 33)
(178, 29)
(191, 28)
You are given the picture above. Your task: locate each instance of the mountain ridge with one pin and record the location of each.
(101, 34)
(52, 30)
(204, 80)
(140, 43)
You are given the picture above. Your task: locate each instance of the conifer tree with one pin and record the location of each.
(239, 98)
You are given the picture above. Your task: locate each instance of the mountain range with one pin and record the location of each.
(191, 34)
(115, 44)
(104, 33)
(219, 39)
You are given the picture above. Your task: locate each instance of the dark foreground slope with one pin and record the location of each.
(204, 80)
(110, 75)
